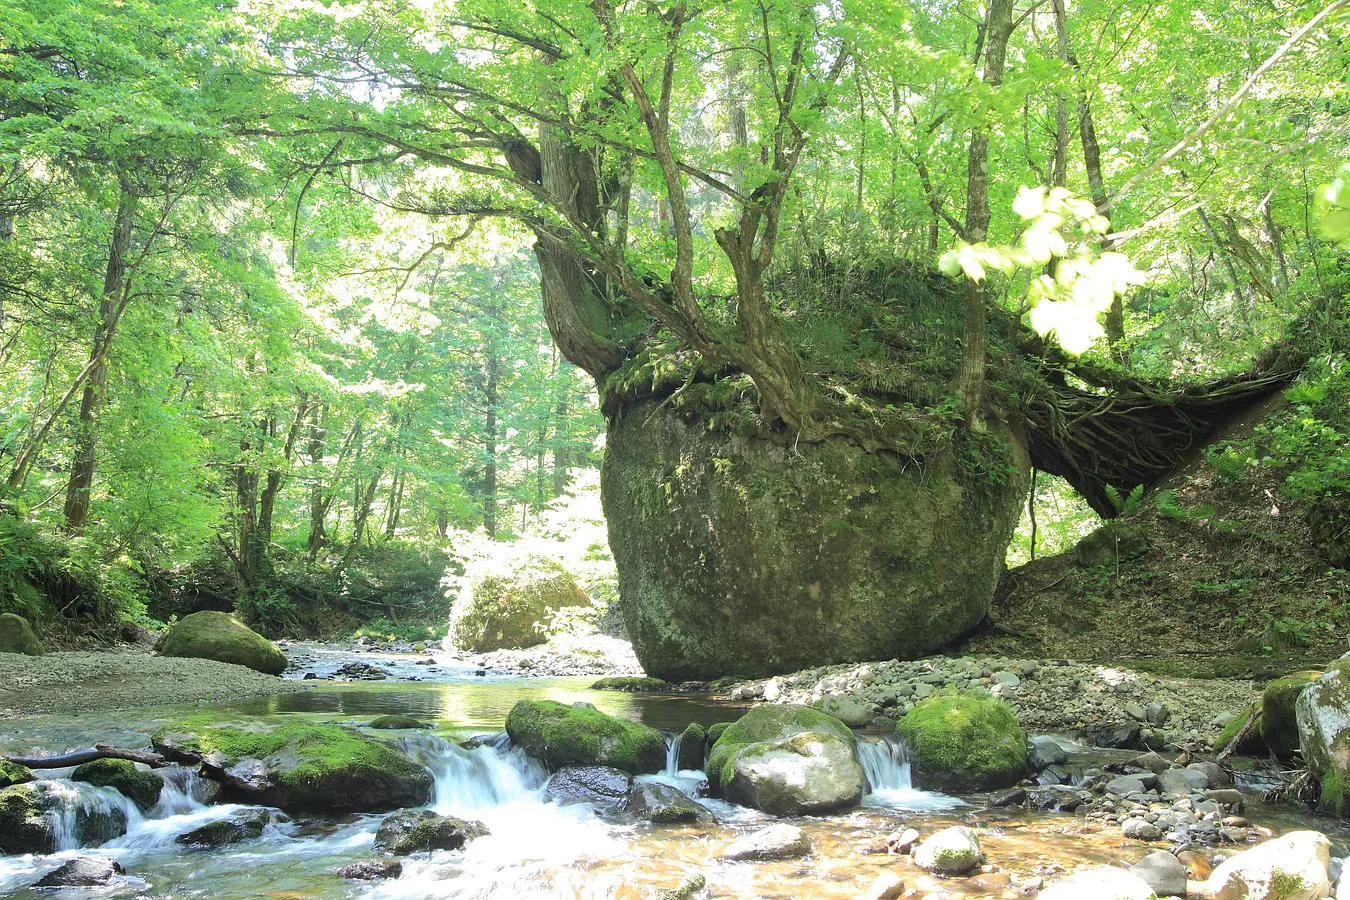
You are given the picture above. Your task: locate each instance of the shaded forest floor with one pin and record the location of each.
(1221, 579)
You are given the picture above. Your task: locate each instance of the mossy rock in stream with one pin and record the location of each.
(137, 785)
(409, 832)
(581, 735)
(1252, 743)
(29, 815)
(298, 766)
(222, 637)
(17, 636)
(693, 747)
(964, 743)
(396, 723)
(768, 723)
(503, 607)
(1323, 712)
(11, 773)
(632, 684)
(752, 554)
(1279, 723)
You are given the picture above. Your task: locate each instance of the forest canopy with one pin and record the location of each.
(293, 290)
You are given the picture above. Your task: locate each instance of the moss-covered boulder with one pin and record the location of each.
(26, 825)
(298, 766)
(769, 723)
(754, 554)
(222, 637)
(581, 735)
(223, 832)
(964, 743)
(138, 785)
(423, 831)
(12, 773)
(631, 684)
(716, 730)
(503, 605)
(17, 636)
(396, 723)
(806, 774)
(1323, 714)
(693, 747)
(1279, 723)
(1248, 742)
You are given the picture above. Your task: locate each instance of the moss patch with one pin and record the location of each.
(768, 723)
(1252, 744)
(964, 743)
(24, 825)
(582, 735)
(140, 787)
(13, 773)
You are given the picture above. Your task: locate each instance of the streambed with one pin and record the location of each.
(538, 849)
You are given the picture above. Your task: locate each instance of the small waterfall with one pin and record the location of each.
(673, 755)
(885, 762)
(83, 815)
(185, 792)
(470, 781)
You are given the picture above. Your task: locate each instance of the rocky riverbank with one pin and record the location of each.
(1105, 706)
(75, 683)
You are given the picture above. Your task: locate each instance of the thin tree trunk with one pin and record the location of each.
(998, 30)
(1240, 296)
(317, 507)
(1277, 245)
(275, 478)
(490, 442)
(363, 507)
(560, 453)
(112, 302)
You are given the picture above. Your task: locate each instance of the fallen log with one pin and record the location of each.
(79, 757)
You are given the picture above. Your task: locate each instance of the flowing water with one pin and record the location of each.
(536, 848)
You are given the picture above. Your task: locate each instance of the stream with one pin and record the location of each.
(537, 848)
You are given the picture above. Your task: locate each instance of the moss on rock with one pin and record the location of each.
(137, 785)
(503, 610)
(964, 743)
(693, 747)
(1323, 713)
(17, 636)
(12, 773)
(631, 684)
(420, 832)
(396, 723)
(582, 735)
(25, 826)
(222, 637)
(1279, 724)
(1252, 743)
(299, 767)
(768, 723)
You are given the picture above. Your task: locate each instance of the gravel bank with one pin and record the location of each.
(68, 683)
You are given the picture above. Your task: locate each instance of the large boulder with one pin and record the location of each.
(754, 554)
(299, 767)
(806, 774)
(1323, 714)
(140, 786)
(502, 605)
(421, 832)
(581, 735)
(1279, 721)
(964, 743)
(1291, 867)
(17, 636)
(770, 723)
(222, 637)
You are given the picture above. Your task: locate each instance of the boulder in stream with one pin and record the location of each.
(409, 832)
(693, 747)
(773, 842)
(140, 786)
(1279, 720)
(952, 851)
(234, 830)
(17, 636)
(1290, 867)
(396, 723)
(663, 805)
(372, 869)
(222, 637)
(1101, 883)
(582, 735)
(805, 774)
(82, 871)
(603, 785)
(964, 743)
(298, 766)
(768, 723)
(31, 813)
(1323, 713)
